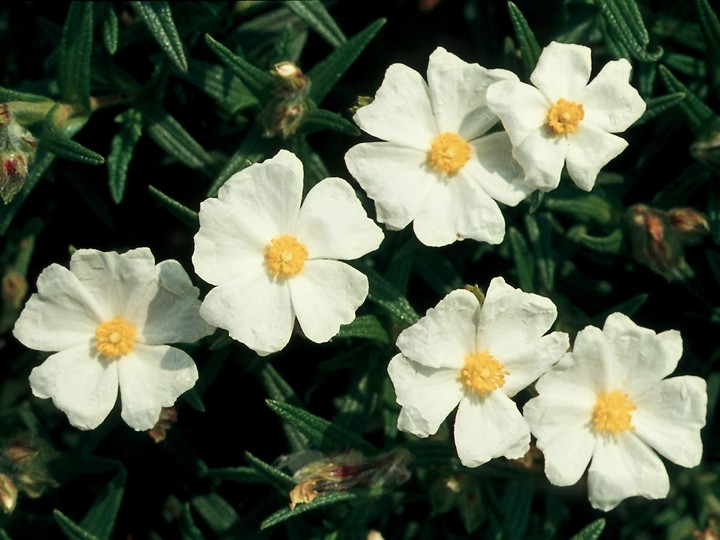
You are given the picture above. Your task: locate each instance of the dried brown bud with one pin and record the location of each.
(8, 494)
(168, 417)
(14, 288)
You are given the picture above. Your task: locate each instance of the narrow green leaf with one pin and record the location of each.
(121, 152)
(323, 434)
(70, 529)
(528, 45)
(188, 529)
(540, 237)
(100, 519)
(320, 501)
(110, 27)
(713, 211)
(185, 214)
(584, 208)
(629, 307)
(259, 82)
(689, 66)
(241, 475)
(57, 142)
(313, 164)
(624, 20)
(272, 475)
(278, 389)
(657, 106)
(158, 18)
(388, 297)
(592, 531)
(516, 501)
(192, 398)
(167, 132)
(437, 271)
(683, 187)
(217, 513)
(325, 74)
(365, 327)
(75, 54)
(220, 84)
(611, 244)
(700, 117)
(536, 200)
(710, 27)
(321, 119)
(313, 12)
(524, 262)
(6, 94)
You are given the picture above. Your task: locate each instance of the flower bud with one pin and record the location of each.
(17, 151)
(291, 81)
(282, 118)
(8, 494)
(13, 289)
(689, 223)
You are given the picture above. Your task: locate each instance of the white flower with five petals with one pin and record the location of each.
(436, 168)
(478, 358)
(608, 401)
(109, 318)
(563, 119)
(272, 260)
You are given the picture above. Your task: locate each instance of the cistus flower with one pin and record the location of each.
(17, 152)
(435, 167)
(273, 261)
(109, 317)
(476, 357)
(608, 401)
(565, 120)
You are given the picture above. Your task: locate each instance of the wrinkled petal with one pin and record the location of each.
(333, 224)
(594, 363)
(669, 417)
(542, 157)
(445, 335)
(527, 362)
(456, 209)
(495, 170)
(173, 293)
(397, 179)
(427, 395)
(79, 383)
(622, 467)
(610, 102)
(588, 151)
(488, 428)
(521, 108)
(151, 378)
(62, 314)
(401, 112)
(562, 71)
(325, 295)
(254, 309)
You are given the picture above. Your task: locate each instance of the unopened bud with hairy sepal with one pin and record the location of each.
(17, 151)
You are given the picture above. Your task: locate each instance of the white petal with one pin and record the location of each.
(169, 311)
(396, 178)
(530, 360)
(559, 419)
(542, 157)
(457, 94)
(495, 170)
(81, 385)
(457, 209)
(61, 315)
(488, 428)
(610, 102)
(333, 224)
(226, 243)
(669, 417)
(401, 111)
(325, 295)
(427, 395)
(623, 467)
(445, 335)
(151, 378)
(562, 71)
(255, 310)
(595, 365)
(521, 108)
(510, 318)
(588, 151)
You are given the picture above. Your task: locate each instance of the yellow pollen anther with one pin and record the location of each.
(285, 256)
(565, 116)
(612, 412)
(483, 373)
(448, 153)
(115, 338)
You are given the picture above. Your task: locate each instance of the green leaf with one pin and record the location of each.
(169, 135)
(100, 519)
(313, 165)
(540, 237)
(158, 18)
(624, 20)
(592, 531)
(192, 398)
(259, 82)
(437, 271)
(536, 200)
(585, 208)
(121, 152)
(325, 74)
(110, 27)
(628, 307)
(610, 244)
(388, 297)
(75, 54)
(700, 117)
(188, 529)
(70, 529)
(185, 214)
(321, 119)
(272, 475)
(524, 261)
(241, 475)
(713, 211)
(278, 389)
(710, 27)
(6, 94)
(217, 513)
(313, 12)
(528, 45)
(324, 435)
(220, 84)
(516, 501)
(365, 327)
(320, 501)
(657, 106)
(56, 141)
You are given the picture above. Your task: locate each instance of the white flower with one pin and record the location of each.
(565, 119)
(479, 358)
(607, 401)
(436, 169)
(272, 261)
(109, 317)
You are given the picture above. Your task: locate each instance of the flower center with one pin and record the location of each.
(612, 412)
(483, 373)
(448, 153)
(285, 256)
(565, 116)
(115, 338)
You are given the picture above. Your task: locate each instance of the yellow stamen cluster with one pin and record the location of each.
(115, 338)
(483, 373)
(448, 153)
(565, 116)
(285, 256)
(612, 412)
